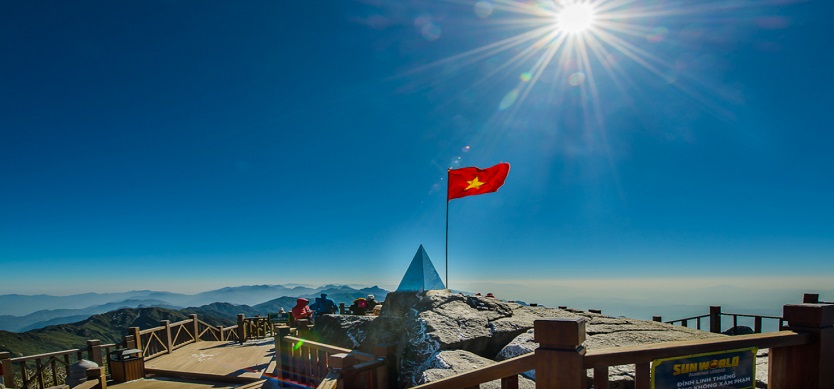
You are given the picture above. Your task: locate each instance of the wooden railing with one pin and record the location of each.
(715, 316)
(799, 358)
(253, 327)
(168, 336)
(313, 364)
(45, 370)
(49, 369)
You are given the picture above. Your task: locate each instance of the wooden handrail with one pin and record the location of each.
(369, 365)
(181, 322)
(507, 368)
(749, 315)
(46, 355)
(330, 348)
(205, 324)
(628, 355)
(320, 346)
(149, 330)
(689, 318)
(648, 352)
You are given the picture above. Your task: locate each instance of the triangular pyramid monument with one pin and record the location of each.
(421, 275)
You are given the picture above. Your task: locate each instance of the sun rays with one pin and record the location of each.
(593, 48)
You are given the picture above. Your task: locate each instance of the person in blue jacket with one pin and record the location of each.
(324, 305)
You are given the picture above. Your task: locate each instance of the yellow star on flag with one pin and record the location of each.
(474, 184)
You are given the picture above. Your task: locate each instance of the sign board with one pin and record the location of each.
(734, 369)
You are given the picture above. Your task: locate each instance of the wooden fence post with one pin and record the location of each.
(6, 369)
(241, 328)
(715, 319)
(387, 375)
(195, 326)
(559, 358)
(810, 365)
(167, 334)
(344, 363)
(341, 308)
(137, 337)
(283, 352)
(97, 374)
(220, 333)
(304, 327)
(811, 298)
(94, 351)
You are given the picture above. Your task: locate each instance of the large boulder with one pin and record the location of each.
(423, 324)
(430, 328)
(348, 331)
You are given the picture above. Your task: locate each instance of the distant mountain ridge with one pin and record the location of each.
(110, 327)
(263, 298)
(47, 317)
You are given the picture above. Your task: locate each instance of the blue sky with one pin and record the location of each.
(187, 146)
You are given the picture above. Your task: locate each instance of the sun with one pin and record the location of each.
(575, 18)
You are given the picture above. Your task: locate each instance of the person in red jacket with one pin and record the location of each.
(301, 310)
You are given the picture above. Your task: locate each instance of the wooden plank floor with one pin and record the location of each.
(223, 361)
(174, 383)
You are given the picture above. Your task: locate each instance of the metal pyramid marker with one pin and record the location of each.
(421, 275)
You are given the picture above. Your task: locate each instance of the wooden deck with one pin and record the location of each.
(174, 383)
(218, 361)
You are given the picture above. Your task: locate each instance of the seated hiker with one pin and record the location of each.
(359, 306)
(324, 306)
(301, 310)
(371, 302)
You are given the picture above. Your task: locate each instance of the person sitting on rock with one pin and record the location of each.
(359, 306)
(301, 310)
(324, 305)
(371, 302)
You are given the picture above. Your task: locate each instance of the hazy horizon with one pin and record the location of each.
(639, 299)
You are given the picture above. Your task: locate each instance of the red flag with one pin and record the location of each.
(470, 181)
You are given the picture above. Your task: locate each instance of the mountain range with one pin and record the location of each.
(22, 313)
(111, 324)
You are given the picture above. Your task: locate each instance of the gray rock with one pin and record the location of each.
(348, 331)
(428, 327)
(453, 362)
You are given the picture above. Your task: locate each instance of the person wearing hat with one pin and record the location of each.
(371, 302)
(324, 306)
(359, 306)
(301, 310)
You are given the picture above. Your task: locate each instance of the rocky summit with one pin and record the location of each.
(440, 334)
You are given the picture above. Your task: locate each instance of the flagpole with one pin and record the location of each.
(447, 243)
(447, 229)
